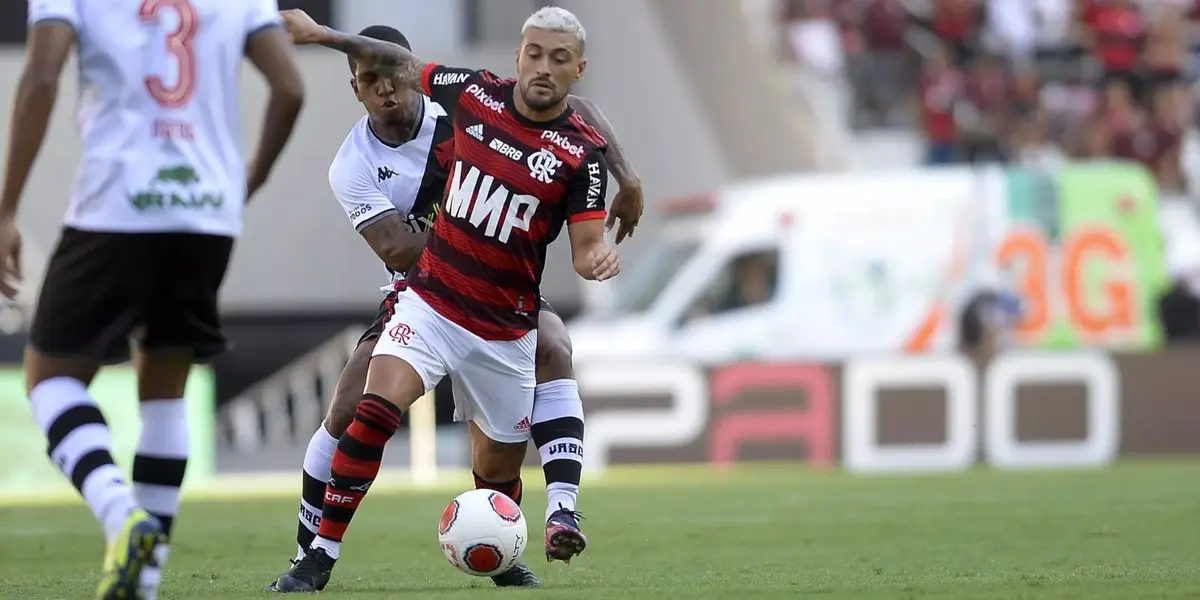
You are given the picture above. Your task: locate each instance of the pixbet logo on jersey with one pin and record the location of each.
(561, 141)
(475, 90)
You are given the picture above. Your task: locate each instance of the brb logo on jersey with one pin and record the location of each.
(487, 204)
(543, 164)
(563, 142)
(475, 90)
(504, 149)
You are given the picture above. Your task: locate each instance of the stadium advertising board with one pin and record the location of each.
(1023, 409)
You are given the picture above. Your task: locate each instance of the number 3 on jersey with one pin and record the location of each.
(488, 200)
(179, 45)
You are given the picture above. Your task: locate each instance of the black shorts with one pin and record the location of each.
(101, 289)
(385, 313)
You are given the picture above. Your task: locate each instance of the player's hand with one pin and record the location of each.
(302, 28)
(605, 263)
(626, 207)
(254, 182)
(10, 258)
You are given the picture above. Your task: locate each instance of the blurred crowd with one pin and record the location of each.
(1027, 81)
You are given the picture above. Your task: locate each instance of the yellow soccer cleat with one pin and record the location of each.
(128, 554)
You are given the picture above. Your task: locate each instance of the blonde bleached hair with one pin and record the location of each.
(558, 20)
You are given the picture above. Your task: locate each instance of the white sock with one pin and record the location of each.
(158, 471)
(80, 443)
(152, 576)
(329, 546)
(318, 460)
(558, 433)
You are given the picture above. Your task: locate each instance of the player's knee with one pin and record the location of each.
(554, 353)
(499, 461)
(349, 390)
(341, 412)
(162, 373)
(40, 367)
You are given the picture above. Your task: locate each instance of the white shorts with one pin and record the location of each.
(493, 380)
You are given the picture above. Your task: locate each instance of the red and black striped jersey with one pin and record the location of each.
(512, 185)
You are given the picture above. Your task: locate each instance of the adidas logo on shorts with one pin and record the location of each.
(476, 131)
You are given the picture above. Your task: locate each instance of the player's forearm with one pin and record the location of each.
(583, 267)
(404, 253)
(283, 108)
(618, 163)
(384, 58)
(32, 107)
(394, 242)
(581, 259)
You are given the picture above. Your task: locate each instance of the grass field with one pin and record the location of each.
(1132, 532)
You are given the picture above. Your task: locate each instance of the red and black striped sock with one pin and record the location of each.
(356, 464)
(512, 489)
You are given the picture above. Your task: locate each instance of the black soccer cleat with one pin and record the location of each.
(564, 540)
(518, 576)
(274, 585)
(309, 574)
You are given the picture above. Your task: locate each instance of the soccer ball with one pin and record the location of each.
(483, 533)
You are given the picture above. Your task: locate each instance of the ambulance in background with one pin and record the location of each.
(816, 265)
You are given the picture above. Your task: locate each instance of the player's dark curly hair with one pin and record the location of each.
(380, 32)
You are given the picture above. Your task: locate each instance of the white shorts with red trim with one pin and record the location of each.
(493, 380)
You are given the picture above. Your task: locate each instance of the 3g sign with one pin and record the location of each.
(699, 401)
(1055, 283)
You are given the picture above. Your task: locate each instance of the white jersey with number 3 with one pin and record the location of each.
(159, 111)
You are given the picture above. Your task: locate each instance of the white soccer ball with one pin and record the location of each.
(483, 533)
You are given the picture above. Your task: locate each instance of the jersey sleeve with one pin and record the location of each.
(261, 14)
(588, 188)
(54, 10)
(355, 189)
(445, 84)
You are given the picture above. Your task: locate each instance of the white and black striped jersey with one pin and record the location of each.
(373, 180)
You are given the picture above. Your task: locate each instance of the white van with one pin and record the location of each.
(806, 266)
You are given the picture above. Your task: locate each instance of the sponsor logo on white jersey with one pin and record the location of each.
(359, 211)
(543, 164)
(477, 91)
(505, 150)
(175, 188)
(563, 142)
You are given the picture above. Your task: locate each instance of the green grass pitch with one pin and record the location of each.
(1126, 533)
